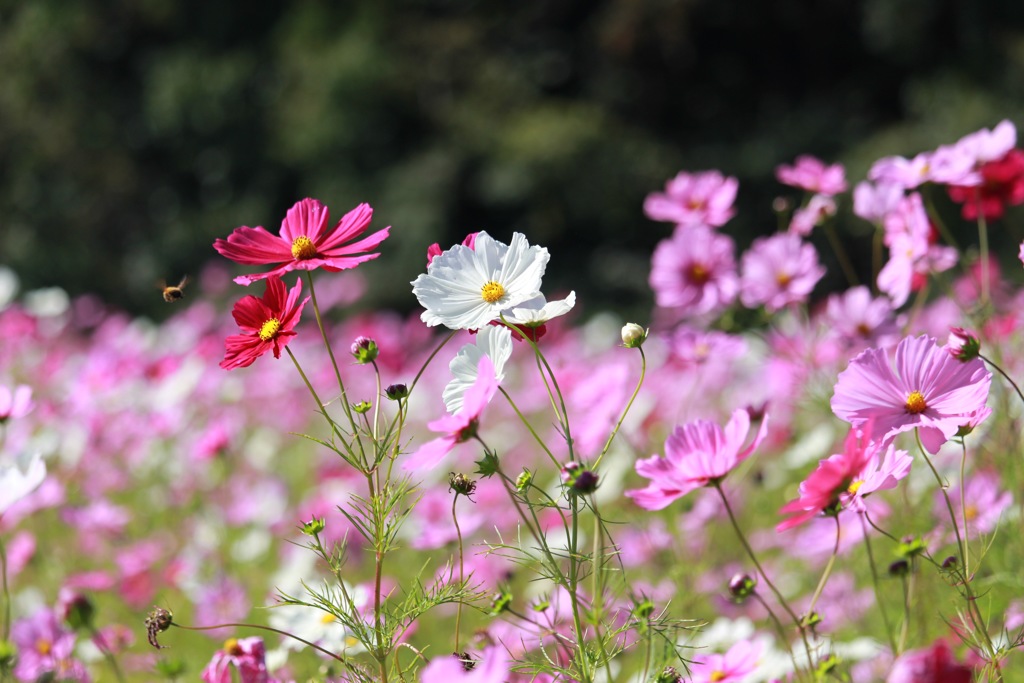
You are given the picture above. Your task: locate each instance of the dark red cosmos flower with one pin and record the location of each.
(1002, 185)
(267, 324)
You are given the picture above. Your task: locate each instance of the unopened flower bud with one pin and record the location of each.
(76, 609)
(396, 392)
(911, 546)
(364, 350)
(950, 563)
(524, 479)
(963, 345)
(669, 675)
(500, 602)
(314, 526)
(158, 621)
(461, 484)
(361, 407)
(633, 336)
(8, 653)
(899, 568)
(741, 587)
(579, 478)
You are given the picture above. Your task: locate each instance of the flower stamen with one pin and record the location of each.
(916, 404)
(492, 292)
(269, 329)
(699, 275)
(303, 248)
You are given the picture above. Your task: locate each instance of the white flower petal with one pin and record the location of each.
(492, 341)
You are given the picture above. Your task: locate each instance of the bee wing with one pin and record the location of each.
(184, 281)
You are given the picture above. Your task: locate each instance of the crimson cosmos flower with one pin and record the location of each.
(304, 243)
(267, 324)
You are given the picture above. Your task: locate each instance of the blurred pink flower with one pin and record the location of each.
(935, 664)
(733, 667)
(811, 174)
(804, 219)
(778, 271)
(461, 426)
(696, 454)
(873, 202)
(694, 270)
(692, 199)
(304, 242)
(246, 656)
(860, 319)
(985, 503)
(493, 666)
(45, 649)
(15, 404)
(929, 390)
(267, 324)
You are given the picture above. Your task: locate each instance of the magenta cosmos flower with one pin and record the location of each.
(493, 667)
(929, 390)
(461, 426)
(305, 243)
(267, 324)
(694, 270)
(844, 479)
(696, 454)
(247, 656)
(779, 270)
(811, 174)
(692, 199)
(935, 664)
(733, 667)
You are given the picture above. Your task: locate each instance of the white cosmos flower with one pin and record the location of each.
(493, 341)
(537, 311)
(464, 288)
(20, 478)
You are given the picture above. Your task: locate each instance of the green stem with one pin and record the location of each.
(877, 243)
(101, 644)
(878, 588)
(983, 254)
(462, 576)
(1003, 373)
(844, 260)
(827, 572)
(7, 592)
(271, 629)
(625, 411)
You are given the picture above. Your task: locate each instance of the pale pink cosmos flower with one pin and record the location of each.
(778, 271)
(901, 172)
(692, 199)
(985, 503)
(733, 667)
(928, 390)
(15, 404)
(696, 454)
(305, 242)
(873, 202)
(461, 426)
(811, 174)
(694, 270)
(860, 319)
(45, 649)
(844, 479)
(493, 666)
(246, 656)
(820, 207)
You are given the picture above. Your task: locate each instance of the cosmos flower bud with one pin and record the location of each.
(899, 568)
(314, 526)
(364, 350)
(76, 609)
(461, 484)
(669, 675)
(633, 336)
(396, 392)
(741, 587)
(579, 478)
(949, 564)
(361, 407)
(524, 479)
(963, 345)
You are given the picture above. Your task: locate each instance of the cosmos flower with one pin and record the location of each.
(267, 324)
(493, 666)
(247, 656)
(45, 649)
(929, 390)
(778, 271)
(20, 477)
(461, 426)
(818, 208)
(935, 664)
(733, 667)
(692, 199)
(467, 288)
(696, 454)
(15, 404)
(305, 243)
(811, 174)
(694, 271)
(493, 341)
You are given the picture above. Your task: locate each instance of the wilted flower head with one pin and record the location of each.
(305, 243)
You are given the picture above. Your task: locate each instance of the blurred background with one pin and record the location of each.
(135, 132)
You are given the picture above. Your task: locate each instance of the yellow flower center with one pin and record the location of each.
(971, 512)
(327, 618)
(232, 647)
(43, 646)
(351, 641)
(492, 292)
(915, 403)
(717, 676)
(270, 329)
(783, 279)
(699, 274)
(303, 248)
(854, 487)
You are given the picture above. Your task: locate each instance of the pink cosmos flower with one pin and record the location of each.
(874, 202)
(844, 479)
(694, 270)
(461, 426)
(305, 243)
(778, 271)
(811, 174)
(267, 324)
(696, 454)
(857, 317)
(929, 390)
(820, 207)
(247, 656)
(15, 404)
(985, 504)
(45, 648)
(903, 173)
(733, 667)
(935, 664)
(692, 199)
(493, 666)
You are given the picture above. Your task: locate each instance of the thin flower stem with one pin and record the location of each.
(983, 255)
(877, 243)
(963, 507)
(828, 569)
(462, 575)
(937, 221)
(430, 358)
(625, 411)
(7, 592)
(878, 588)
(529, 427)
(597, 601)
(104, 649)
(316, 647)
(760, 570)
(905, 626)
(1003, 373)
(312, 391)
(844, 260)
(778, 627)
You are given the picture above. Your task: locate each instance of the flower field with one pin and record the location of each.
(766, 481)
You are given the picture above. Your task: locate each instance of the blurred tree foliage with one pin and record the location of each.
(134, 132)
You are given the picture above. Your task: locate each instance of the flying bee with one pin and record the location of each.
(172, 293)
